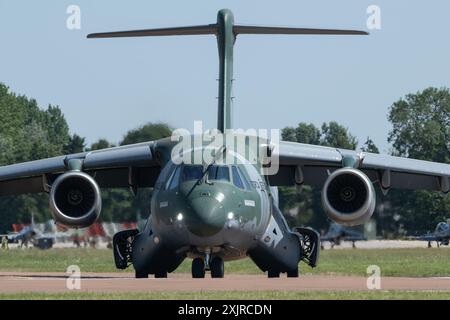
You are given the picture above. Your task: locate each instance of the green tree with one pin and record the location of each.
(27, 133)
(420, 130)
(147, 132)
(335, 135)
(421, 125)
(369, 146)
(76, 144)
(303, 133)
(101, 144)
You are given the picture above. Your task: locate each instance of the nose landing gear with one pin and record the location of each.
(215, 265)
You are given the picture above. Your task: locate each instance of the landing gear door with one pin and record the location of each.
(310, 245)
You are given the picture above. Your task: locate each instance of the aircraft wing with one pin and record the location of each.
(354, 238)
(56, 235)
(311, 165)
(132, 165)
(427, 237)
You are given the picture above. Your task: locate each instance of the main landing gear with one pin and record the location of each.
(215, 265)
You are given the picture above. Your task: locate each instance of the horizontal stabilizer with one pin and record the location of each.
(213, 29)
(286, 30)
(178, 31)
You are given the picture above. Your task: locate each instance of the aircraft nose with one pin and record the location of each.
(207, 216)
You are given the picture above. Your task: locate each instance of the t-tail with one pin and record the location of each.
(226, 32)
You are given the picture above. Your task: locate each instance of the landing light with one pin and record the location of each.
(179, 216)
(230, 216)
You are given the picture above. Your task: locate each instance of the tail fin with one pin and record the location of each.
(226, 32)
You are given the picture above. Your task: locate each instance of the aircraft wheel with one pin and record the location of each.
(141, 275)
(198, 268)
(293, 273)
(161, 274)
(217, 267)
(273, 274)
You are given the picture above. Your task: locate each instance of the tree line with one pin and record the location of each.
(420, 129)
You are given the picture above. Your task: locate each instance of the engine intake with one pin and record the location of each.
(75, 200)
(348, 197)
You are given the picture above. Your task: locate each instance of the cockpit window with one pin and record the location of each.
(442, 227)
(174, 179)
(220, 173)
(192, 173)
(237, 178)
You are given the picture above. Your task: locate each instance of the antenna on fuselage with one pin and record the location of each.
(226, 32)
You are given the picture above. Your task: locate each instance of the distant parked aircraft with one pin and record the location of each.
(441, 235)
(337, 233)
(32, 234)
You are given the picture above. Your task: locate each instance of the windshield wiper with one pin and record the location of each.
(218, 154)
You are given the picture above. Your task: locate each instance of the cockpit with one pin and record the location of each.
(211, 174)
(442, 227)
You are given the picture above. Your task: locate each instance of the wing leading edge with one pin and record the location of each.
(132, 165)
(311, 165)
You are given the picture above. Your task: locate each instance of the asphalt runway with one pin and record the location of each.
(19, 282)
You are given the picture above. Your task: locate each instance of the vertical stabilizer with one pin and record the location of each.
(225, 43)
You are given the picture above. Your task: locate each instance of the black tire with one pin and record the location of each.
(217, 268)
(141, 275)
(273, 274)
(198, 268)
(293, 273)
(161, 274)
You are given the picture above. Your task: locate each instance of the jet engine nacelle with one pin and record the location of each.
(348, 197)
(75, 200)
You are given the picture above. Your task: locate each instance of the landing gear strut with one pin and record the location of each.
(215, 265)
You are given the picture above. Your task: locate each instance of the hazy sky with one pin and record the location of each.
(106, 87)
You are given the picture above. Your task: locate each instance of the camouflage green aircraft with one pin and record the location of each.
(223, 206)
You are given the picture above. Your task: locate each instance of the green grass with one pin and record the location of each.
(411, 262)
(234, 295)
(393, 262)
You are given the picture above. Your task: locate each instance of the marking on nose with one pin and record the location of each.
(249, 203)
(205, 194)
(163, 204)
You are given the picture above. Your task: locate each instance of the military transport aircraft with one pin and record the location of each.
(214, 210)
(441, 235)
(337, 233)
